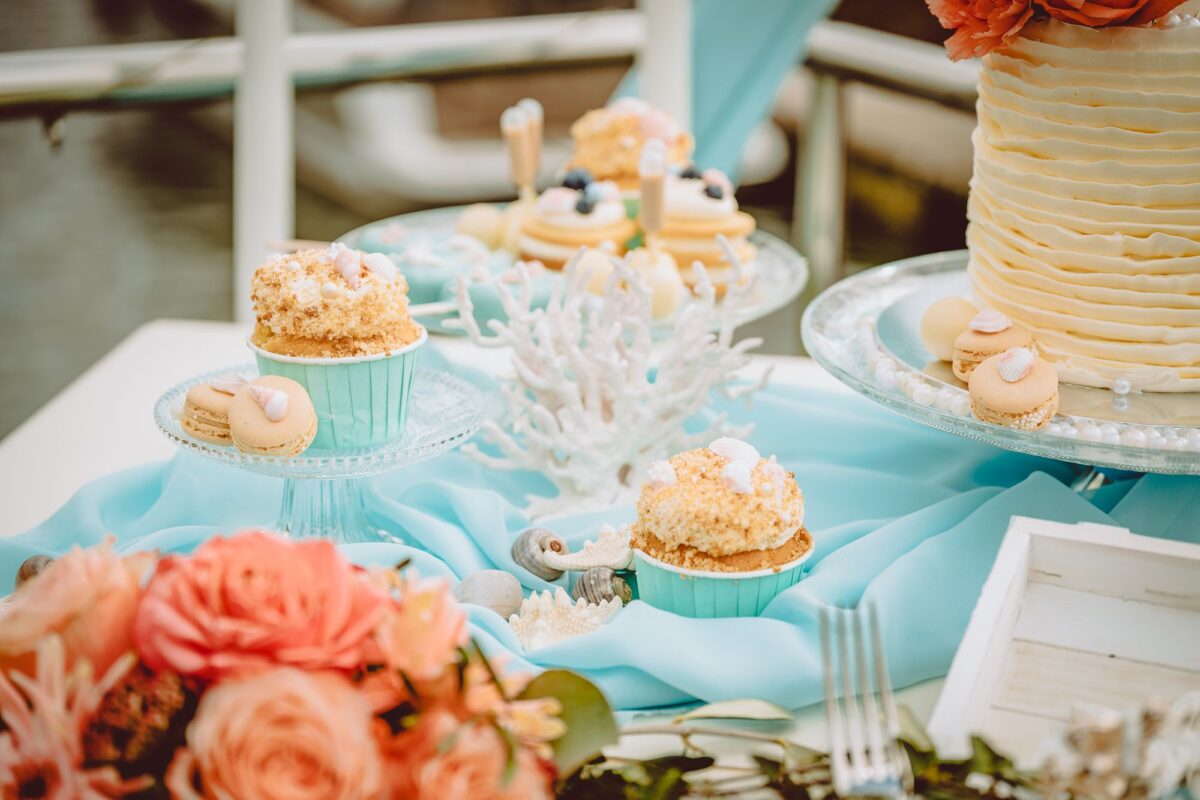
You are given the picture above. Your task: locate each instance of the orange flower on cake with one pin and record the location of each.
(1099, 13)
(256, 600)
(980, 26)
(87, 597)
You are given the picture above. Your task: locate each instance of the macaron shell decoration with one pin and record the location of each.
(272, 416)
(1016, 389)
(943, 321)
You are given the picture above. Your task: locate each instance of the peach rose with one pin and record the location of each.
(443, 759)
(256, 600)
(88, 597)
(1098, 13)
(980, 26)
(282, 734)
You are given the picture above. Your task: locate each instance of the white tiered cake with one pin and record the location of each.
(1085, 205)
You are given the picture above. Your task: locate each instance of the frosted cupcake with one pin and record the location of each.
(609, 141)
(581, 213)
(336, 321)
(697, 207)
(719, 532)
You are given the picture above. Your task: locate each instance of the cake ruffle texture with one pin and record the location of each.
(1085, 203)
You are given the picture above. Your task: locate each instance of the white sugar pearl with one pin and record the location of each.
(1112, 438)
(1108, 429)
(293, 266)
(1192, 435)
(962, 405)
(1134, 438)
(945, 398)
(1054, 429)
(1121, 386)
(1090, 433)
(330, 290)
(887, 380)
(1177, 443)
(924, 394)
(1120, 404)
(1069, 431)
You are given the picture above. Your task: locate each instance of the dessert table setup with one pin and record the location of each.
(495, 498)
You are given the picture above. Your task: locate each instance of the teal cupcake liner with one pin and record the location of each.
(694, 593)
(360, 401)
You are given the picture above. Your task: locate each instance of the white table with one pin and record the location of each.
(103, 422)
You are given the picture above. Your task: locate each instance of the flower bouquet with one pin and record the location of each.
(261, 668)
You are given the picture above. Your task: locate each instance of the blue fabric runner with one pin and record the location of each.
(904, 515)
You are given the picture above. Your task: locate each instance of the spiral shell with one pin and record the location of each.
(30, 568)
(599, 584)
(528, 550)
(989, 321)
(491, 588)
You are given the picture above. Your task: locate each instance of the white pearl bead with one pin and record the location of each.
(1192, 435)
(924, 394)
(962, 405)
(1090, 433)
(1120, 404)
(1155, 440)
(886, 379)
(1108, 429)
(1121, 386)
(1054, 429)
(1177, 443)
(1068, 431)
(1111, 438)
(1133, 438)
(945, 398)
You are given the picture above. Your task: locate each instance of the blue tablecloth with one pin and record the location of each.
(904, 515)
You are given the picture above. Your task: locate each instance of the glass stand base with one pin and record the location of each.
(327, 509)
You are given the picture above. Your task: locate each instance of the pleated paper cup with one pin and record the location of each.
(359, 400)
(697, 593)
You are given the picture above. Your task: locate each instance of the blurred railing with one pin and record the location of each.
(51, 83)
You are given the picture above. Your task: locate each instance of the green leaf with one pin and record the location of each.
(587, 714)
(758, 710)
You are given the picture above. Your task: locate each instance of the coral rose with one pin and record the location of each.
(1098, 13)
(281, 735)
(980, 26)
(88, 597)
(443, 759)
(257, 600)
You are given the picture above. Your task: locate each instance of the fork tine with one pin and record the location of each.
(871, 720)
(858, 756)
(837, 741)
(882, 681)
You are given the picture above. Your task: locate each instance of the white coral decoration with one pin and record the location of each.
(545, 619)
(593, 399)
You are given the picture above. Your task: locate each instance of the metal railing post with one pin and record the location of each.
(818, 225)
(264, 162)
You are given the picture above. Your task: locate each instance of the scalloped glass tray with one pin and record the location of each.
(865, 331)
(781, 277)
(322, 493)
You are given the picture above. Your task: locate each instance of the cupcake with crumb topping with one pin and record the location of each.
(336, 321)
(719, 532)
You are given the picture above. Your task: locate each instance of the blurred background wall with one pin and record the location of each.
(112, 218)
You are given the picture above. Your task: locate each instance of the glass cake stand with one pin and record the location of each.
(322, 489)
(865, 331)
(782, 273)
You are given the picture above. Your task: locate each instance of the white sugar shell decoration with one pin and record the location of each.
(743, 458)
(348, 262)
(660, 475)
(273, 402)
(610, 549)
(1015, 363)
(228, 383)
(491, 588)
(989, 321)
(381, 265)
(546, 618)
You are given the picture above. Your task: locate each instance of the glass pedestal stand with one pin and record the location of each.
(322, 489)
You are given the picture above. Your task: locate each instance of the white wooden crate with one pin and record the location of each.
(1070, 614)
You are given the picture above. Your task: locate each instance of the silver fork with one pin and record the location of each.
(865, 757)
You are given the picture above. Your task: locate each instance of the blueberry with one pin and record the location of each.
(577, 179)
(690, 172)
(584, 206)
(714, 191)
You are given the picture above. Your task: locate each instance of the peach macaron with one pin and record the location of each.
(272, 416)
(1016, 389)
(206, 409)
(989, 333)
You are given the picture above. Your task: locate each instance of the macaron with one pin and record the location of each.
(1016, 389)
(206, 409)
(272, 416)
(989, 333)
(944, 320)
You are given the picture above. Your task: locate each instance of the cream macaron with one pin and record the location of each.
(943, 321)
(272, 416)
(989, 333)
(206, 409)
(1016, 389)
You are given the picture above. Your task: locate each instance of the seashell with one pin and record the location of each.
(660, 475)
(743, 458)
(1015, 363)
(546, 618)
(31, 567)
(273, 402)
(610, 549)
(382, 266)
(491, 588)
(530, 549)
(348, 262)
(599, 584)
(989, 321)
(228, 383)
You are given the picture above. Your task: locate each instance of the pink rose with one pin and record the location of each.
(1098, 13)
(88, 597)
(980, 26)
(256, 600)
(443, 759)
(281, 735)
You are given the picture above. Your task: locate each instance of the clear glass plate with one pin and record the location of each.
(782, 272)
(865, 331)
